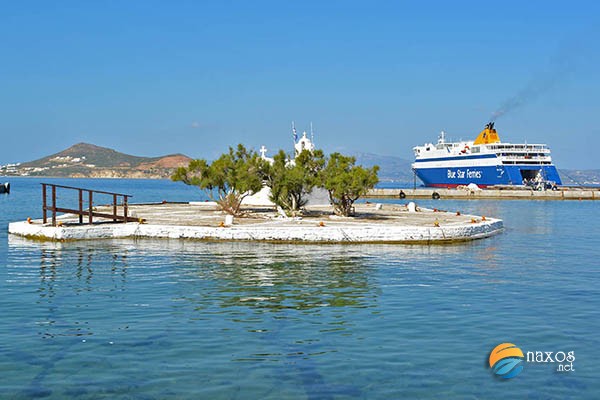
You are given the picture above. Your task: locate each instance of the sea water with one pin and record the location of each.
(157, 319)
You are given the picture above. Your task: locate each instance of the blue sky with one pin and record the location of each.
(157, 77)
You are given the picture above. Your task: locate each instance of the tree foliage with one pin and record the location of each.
(346, 182)
(241, 172)
(291, 182)
(233, 176)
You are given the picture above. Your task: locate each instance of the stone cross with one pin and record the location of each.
(263, 151)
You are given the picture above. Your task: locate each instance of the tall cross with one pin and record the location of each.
(263, 151)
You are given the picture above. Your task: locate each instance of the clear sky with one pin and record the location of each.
(157, 77)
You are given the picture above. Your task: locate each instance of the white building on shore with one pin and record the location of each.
(317, 197)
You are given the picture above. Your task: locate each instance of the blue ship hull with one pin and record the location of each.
(485, 175)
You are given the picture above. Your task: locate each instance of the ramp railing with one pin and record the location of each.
(86, 204)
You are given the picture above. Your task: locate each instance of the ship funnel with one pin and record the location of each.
(488, 135)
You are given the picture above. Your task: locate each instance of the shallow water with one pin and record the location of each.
(186, 319)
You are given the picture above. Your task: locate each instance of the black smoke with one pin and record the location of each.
(556, 71)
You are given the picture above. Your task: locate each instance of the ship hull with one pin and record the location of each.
(483, 176)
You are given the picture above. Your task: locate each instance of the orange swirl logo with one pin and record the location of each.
(506, 359)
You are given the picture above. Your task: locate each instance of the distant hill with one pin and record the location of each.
(391, 169)
(85, 160)
(580, 177)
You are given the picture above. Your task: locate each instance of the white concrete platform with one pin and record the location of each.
(392, 224)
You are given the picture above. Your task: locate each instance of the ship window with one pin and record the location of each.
(475, 150)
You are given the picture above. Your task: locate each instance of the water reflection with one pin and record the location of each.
(260, 276)
(64, 271)
(47, 273)
(298, 283)
(288, 306)
(301, 277)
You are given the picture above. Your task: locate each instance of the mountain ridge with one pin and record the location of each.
(86, 160)
(391, 168)
(98, 156)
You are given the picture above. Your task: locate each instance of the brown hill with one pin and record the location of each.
(173, 161)
(88, 160)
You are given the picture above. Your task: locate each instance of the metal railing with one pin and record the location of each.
(89, 210)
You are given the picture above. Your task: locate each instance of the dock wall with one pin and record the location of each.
(348, 233)
(493, 194)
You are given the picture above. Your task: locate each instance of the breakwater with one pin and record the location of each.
(492, 194)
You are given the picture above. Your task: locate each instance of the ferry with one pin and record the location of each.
(486, 161)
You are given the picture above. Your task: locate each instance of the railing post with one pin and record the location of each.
(115, 207)
(80, 206)
(53, 205)
(125, 208)
(90, 203)
(44, 212)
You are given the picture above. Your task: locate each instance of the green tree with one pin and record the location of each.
(346, 182)
(291, 182)
(232, 177)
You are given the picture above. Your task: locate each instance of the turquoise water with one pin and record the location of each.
(162, 319)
